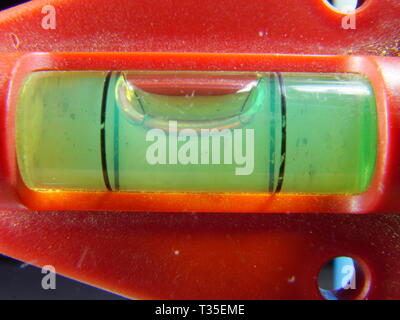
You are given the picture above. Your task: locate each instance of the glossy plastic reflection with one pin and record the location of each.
(197, 131)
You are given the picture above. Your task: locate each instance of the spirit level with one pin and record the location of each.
(193, 254)
(307, 138)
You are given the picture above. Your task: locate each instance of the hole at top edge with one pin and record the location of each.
(345, 6)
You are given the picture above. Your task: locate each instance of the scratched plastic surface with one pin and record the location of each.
(197, 131)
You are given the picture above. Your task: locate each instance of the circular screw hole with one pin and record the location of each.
(346, 6)
(343, 278)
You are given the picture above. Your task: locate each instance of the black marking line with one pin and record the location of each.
(116, 143)
(103, 132)
(272, 133)
(283, 141)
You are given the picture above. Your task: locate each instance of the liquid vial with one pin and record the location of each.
(183, 131)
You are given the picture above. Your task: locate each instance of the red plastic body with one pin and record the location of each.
(206, 255)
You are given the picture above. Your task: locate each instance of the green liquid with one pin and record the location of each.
(302, 133)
